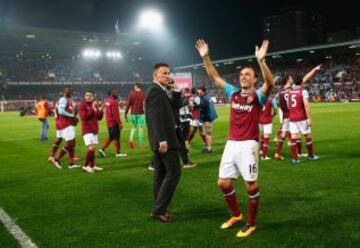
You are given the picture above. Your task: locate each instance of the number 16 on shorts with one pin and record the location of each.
(252, 169)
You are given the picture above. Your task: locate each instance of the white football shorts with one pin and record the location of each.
(285, 125)
(91, 139)
(196, 123)
(266, 128)
(299, 127)
(68, 133)
(240, 158)
(58, 134)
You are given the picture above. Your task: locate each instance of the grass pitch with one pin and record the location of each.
(315, 204)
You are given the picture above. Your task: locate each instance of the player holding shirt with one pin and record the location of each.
(267, 114)
(135, 102)
(67, 121)
(240, 157)
(90, 113)
(113, 122)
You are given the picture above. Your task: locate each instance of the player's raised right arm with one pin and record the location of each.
(213, 74)
(311, 73)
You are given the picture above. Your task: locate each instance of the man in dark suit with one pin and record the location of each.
(161, 125)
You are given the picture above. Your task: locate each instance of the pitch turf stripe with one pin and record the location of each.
(16, 231)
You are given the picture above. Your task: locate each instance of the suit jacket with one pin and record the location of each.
(160, 118)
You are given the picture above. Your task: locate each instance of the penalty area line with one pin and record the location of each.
(15, 230)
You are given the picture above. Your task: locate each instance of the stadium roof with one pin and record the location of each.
(64, 43)
(325, 49)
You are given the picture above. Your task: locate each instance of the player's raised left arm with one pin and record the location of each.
(260, 54)
(311, 73)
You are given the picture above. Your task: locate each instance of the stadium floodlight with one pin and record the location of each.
(114, 54)
(151, 20)
(30, 36)
(91, 53)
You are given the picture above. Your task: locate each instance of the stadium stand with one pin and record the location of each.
(339, 79)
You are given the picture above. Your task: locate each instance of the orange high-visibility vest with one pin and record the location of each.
(41, 111)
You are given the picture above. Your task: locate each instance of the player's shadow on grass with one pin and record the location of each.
(118, 166)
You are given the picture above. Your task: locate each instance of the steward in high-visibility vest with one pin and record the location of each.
(42, 110)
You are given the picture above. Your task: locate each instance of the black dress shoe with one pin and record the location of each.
(190, 165)
(164, 217)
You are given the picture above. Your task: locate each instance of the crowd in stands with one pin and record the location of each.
(339, 79)
(76, 69)
(52, 92)
(335, 82)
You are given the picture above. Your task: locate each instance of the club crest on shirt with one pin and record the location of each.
(250, 99)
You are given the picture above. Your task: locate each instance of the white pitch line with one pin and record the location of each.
(16, 231)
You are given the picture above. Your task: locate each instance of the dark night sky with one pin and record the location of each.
(231, 27)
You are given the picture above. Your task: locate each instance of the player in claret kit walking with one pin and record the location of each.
(66, 123)
(90, 113)
(59, 137)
